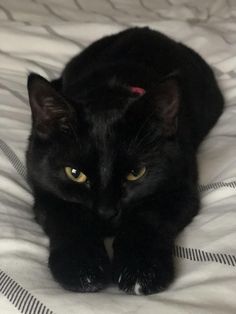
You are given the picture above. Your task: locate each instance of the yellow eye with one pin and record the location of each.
(135, 174)
(75, 175)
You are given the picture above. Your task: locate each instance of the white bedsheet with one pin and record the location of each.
(40, 36)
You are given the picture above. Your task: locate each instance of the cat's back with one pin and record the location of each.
(143, 57)
(139, 54)
(140, 46)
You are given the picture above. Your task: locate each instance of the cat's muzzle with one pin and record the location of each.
(108, 213)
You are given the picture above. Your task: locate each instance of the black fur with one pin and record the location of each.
(90, 119)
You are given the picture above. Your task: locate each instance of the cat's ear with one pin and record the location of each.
(165, 98)
(50, 112)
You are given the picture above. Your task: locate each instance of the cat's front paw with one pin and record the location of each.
(78, 270)
(143, 275)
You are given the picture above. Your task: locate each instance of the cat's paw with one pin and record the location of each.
(142, 275)
(78, 270)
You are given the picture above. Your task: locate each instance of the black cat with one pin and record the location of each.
(113, 153)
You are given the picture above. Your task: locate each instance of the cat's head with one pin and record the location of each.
(106, 150)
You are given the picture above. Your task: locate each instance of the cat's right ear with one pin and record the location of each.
(166, 101)
(50, 111)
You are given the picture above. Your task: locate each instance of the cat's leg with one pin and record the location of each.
(78, 260)
(80, 265)
(143, 261)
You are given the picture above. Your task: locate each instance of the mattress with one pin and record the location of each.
(41, 36)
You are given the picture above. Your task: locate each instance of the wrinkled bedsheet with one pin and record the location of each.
(40, 36)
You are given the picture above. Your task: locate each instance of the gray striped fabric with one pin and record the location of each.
(24, 301)
(41, 36)
(203, 256)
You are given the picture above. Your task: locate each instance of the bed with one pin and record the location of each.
(40, 36)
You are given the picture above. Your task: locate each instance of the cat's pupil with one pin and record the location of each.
(75, 173)
(135, 172)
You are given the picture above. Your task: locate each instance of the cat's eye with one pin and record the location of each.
(75, 175)
(136, 174)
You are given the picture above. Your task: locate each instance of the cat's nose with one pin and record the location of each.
(107, 212)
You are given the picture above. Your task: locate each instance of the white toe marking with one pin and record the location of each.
(88, 280)
(119, 280)
(137, 288)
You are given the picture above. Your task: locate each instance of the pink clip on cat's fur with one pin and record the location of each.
(137, 90)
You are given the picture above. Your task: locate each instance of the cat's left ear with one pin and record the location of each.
(166, 98)
(50, 111)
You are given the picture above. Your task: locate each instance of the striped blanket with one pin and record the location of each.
(40, 36)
